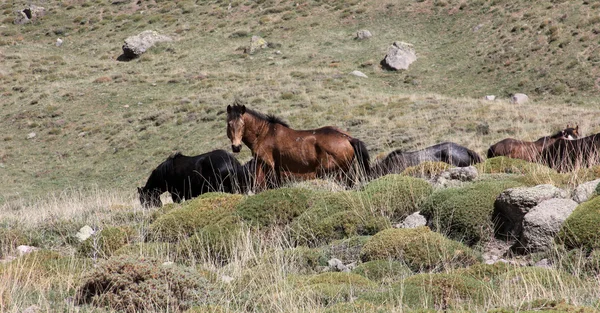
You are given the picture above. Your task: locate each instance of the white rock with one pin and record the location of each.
(490, 97)
(226, 279)
(519, 98)
(25, 249)
(359, 74)
(31, 135)
(59, 42)
(84, 233)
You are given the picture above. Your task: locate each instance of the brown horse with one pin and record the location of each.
(528, 150)
(300, 153)
(568, 155)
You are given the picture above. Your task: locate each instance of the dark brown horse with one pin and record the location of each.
(569, 155)
(528, 150)
(301, 153)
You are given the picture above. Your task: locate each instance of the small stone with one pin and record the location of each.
(126, 106)
(25, 249)
(82, 134)
(413, 221)
(359, 74)
(490, 97)
(168, 263)
(543, 263)
(59, 42)
(31, 135)
(363, 34)
(226, 279)
(84, 233)
(519, 98)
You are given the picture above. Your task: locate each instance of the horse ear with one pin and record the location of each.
(243, 109)
(577, 128)
(568, 126)
(228, 109)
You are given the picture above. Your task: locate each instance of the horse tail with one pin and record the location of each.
(475, 157)
(362, 155)
(491, 153)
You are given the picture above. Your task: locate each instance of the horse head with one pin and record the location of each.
(149, 197)
(235, 126)
(571, 133)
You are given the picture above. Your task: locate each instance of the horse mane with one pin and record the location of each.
(272, 119)
(161, 172)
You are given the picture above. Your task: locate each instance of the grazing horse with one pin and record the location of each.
(185, 177)
(278, 148)
(527, 150)
(568, 155)
(448, 152)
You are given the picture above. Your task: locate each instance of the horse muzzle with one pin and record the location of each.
(235, 148)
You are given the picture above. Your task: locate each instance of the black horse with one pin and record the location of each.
(185, 177)
(568, 155)
(448, 152)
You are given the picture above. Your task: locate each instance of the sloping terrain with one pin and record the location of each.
(101, 122)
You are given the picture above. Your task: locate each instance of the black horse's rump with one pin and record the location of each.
(568, 155)
(447, 152)
(185, 177)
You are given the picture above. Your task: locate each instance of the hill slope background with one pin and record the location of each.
(101, 122)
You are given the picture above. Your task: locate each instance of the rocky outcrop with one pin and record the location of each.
(585, 191)
(399, 57)
(30, 14)
(511, 206)
(136, 45)
(363, 34)
(542, 223)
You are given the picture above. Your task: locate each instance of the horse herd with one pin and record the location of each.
(281, 153)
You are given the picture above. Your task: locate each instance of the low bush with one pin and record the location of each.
(580, 229)
(274, 207)
(383, 270)
(396, 195)
(465, 213)
(420, 248)
(106, 241)
(142, 284)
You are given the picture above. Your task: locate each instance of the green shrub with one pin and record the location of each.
(164, 251)
(465, 213)
(485, 272)
(397, 195)
(45, 264)
(580, 229)
(523, 278)
(420, 248)
(442, 291)
(142, 284)
(217, 241)
(330, 288)
(212, 209)
(307, 259)
(335, 216)
(426, 169)
(578, 262)
(511, 166)
(274, 207)
(383, 270)
(104, 243)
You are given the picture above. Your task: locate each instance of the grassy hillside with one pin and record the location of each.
(101, 122)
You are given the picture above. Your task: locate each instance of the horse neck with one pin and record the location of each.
(255, 129)
(155, 183)
(544, 141)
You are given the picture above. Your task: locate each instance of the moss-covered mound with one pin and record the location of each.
(420, 248)
(580, 230)
(465, 213)
(511, 166)
(546, 305)
(526, 278)
(397, 195)
(44, 265)
(105, 242)
(275, 207)
(485, 272)
(210, 210)
(334, 216)
(307, 259)
(426, 169)
(383, 270)
(442, 291)
(330, 288)
(141, 284)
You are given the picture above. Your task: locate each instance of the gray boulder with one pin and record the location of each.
(363, 34)
(519, 98)
(337, 265)
(512, 204)
(399, 57)
(30, 14)
(585, 191)
(542, 223)
(413, 221)
(136, 45)
(257, 43)
(455, 177)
